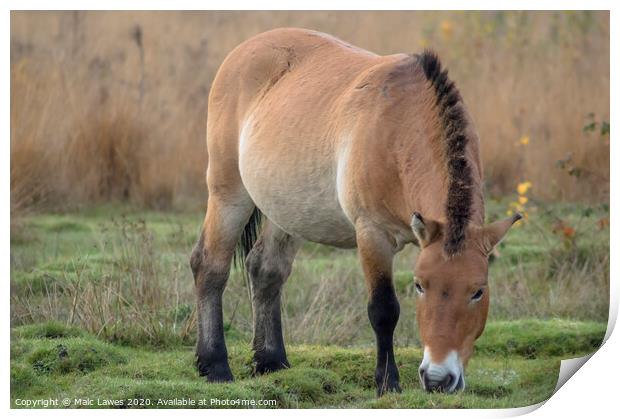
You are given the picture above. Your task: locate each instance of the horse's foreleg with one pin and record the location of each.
(269, 265)
(210, 262)
(376, 254)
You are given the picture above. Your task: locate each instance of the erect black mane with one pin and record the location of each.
(454, 123)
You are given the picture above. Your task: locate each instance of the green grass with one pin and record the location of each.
(49, 361)
(102, 305)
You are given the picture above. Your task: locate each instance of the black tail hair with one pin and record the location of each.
(454, 122)
(247, 239)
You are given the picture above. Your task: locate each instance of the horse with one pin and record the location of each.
(310, 138)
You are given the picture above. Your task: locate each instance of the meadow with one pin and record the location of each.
(102, 305)
(108, 115)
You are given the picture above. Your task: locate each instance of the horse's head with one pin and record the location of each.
(452, 298)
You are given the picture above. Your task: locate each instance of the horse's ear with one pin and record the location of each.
(424, 230)
(495, 232)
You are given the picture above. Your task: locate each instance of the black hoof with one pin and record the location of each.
(265, 363)
(214, 372)
(387, 383)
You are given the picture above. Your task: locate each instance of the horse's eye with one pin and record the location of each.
(477, 295)
(419, 288)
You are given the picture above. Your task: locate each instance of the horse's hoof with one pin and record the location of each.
(265, 368)
(215, 373)
(387, 382)
(266, 363)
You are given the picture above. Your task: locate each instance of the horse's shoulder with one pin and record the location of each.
(387, 83)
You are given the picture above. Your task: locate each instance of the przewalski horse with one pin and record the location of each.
(336, 145)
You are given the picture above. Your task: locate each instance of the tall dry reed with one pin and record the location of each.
(112, 105)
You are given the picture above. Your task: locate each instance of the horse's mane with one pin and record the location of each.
(454, 124)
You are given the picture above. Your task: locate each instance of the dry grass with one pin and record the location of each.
(128, 291)
(112, 105)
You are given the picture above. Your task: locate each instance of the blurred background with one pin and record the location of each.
(112, 106)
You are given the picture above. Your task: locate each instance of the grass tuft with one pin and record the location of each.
(66, 356)
(536, 338)
(48, 330)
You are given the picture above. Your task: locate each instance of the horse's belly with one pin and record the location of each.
(316, 221)
(297, 191)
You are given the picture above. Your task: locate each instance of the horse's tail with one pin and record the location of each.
(247, 239)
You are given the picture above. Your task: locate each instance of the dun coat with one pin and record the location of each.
(333, 144)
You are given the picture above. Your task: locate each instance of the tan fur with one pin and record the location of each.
(309, 99)
(340, 146)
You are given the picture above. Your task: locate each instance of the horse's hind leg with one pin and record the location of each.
(269, 265)
(226, 217)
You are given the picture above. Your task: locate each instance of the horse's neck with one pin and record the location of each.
(425, 184)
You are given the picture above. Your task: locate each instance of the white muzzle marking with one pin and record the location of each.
(437, 372)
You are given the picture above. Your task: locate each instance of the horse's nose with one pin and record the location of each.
(444, 376)
(434, 382)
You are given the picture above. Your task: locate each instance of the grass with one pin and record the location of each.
(52, 361)
(102, 305)
(123, 273)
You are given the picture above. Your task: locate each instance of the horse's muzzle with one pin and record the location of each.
(448, 383)
(447, 376)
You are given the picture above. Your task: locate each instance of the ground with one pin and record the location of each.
(102, 309)
(517, 364)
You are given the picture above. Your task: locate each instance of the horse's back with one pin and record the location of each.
(257, 65)
(281, 98)
(245, 77)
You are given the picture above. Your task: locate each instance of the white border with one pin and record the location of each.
(592, 391)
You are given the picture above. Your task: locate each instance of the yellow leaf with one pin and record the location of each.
(447, 28)
(523, 187)
(523, 200)
(525, 140)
